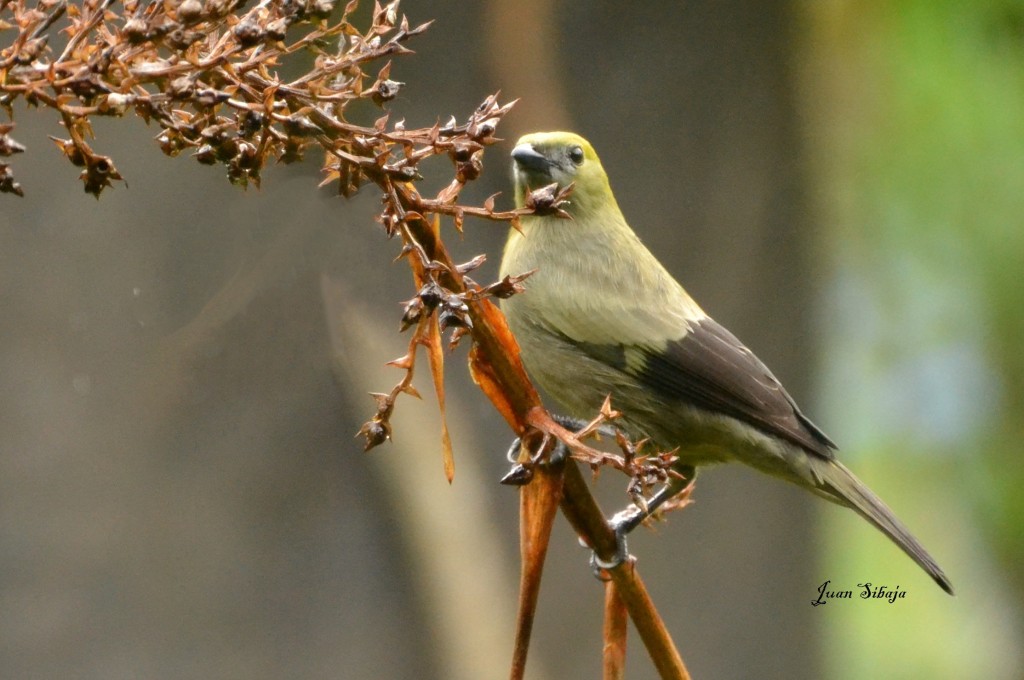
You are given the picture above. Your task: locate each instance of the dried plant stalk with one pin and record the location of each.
(210, 75)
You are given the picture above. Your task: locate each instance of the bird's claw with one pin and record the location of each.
(512, 455)
(559, 452)
(521, 473)
(620, 526)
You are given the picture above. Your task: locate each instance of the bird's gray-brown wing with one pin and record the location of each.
(712, 370)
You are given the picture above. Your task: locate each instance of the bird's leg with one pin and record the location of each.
(574, 424)
(622, 523)
(625, 521)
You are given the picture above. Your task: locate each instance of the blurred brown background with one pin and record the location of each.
(183, 365)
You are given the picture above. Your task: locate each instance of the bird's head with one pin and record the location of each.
(541, 158)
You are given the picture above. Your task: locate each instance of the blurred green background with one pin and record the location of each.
(919, 157)
(183, 365)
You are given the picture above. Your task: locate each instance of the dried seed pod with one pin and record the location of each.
(115, 104)
(277, 29)
(238, 175)
(136, 31)
(171, 142)
(484, 130)
(218, 8)
(205, 155)
(214, 135)
(246, 156)
(190, 11)
(451, 318)
(30, 51)
(181, 88)
(548, 200)
(461, 152)
(180, 39)
(412, 313)
(471, 169)
(249, 123)
(98, 173)
(376, 433)
(8, 145)
(227, 149)
(320, 9)
(7, 183)
(71, 150)
(432, 295)
(249, 33)
(86, 89)
(508, 286)
(385, 91)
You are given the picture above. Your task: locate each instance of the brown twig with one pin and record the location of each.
(582, 511)
(614, 655)
(538, 505)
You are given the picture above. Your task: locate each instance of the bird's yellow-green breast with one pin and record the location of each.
(594, 276)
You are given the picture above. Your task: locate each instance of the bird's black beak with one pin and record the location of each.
(529, 160)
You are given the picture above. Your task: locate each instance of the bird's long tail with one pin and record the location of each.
(842, 486)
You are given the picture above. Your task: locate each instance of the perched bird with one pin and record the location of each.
(602, 316)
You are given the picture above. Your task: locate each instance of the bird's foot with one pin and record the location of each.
(674, 494)
(521, 473)
(621, 524)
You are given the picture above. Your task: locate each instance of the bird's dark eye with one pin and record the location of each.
(576, 155)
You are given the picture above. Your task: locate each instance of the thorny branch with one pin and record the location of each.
(209, 75)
